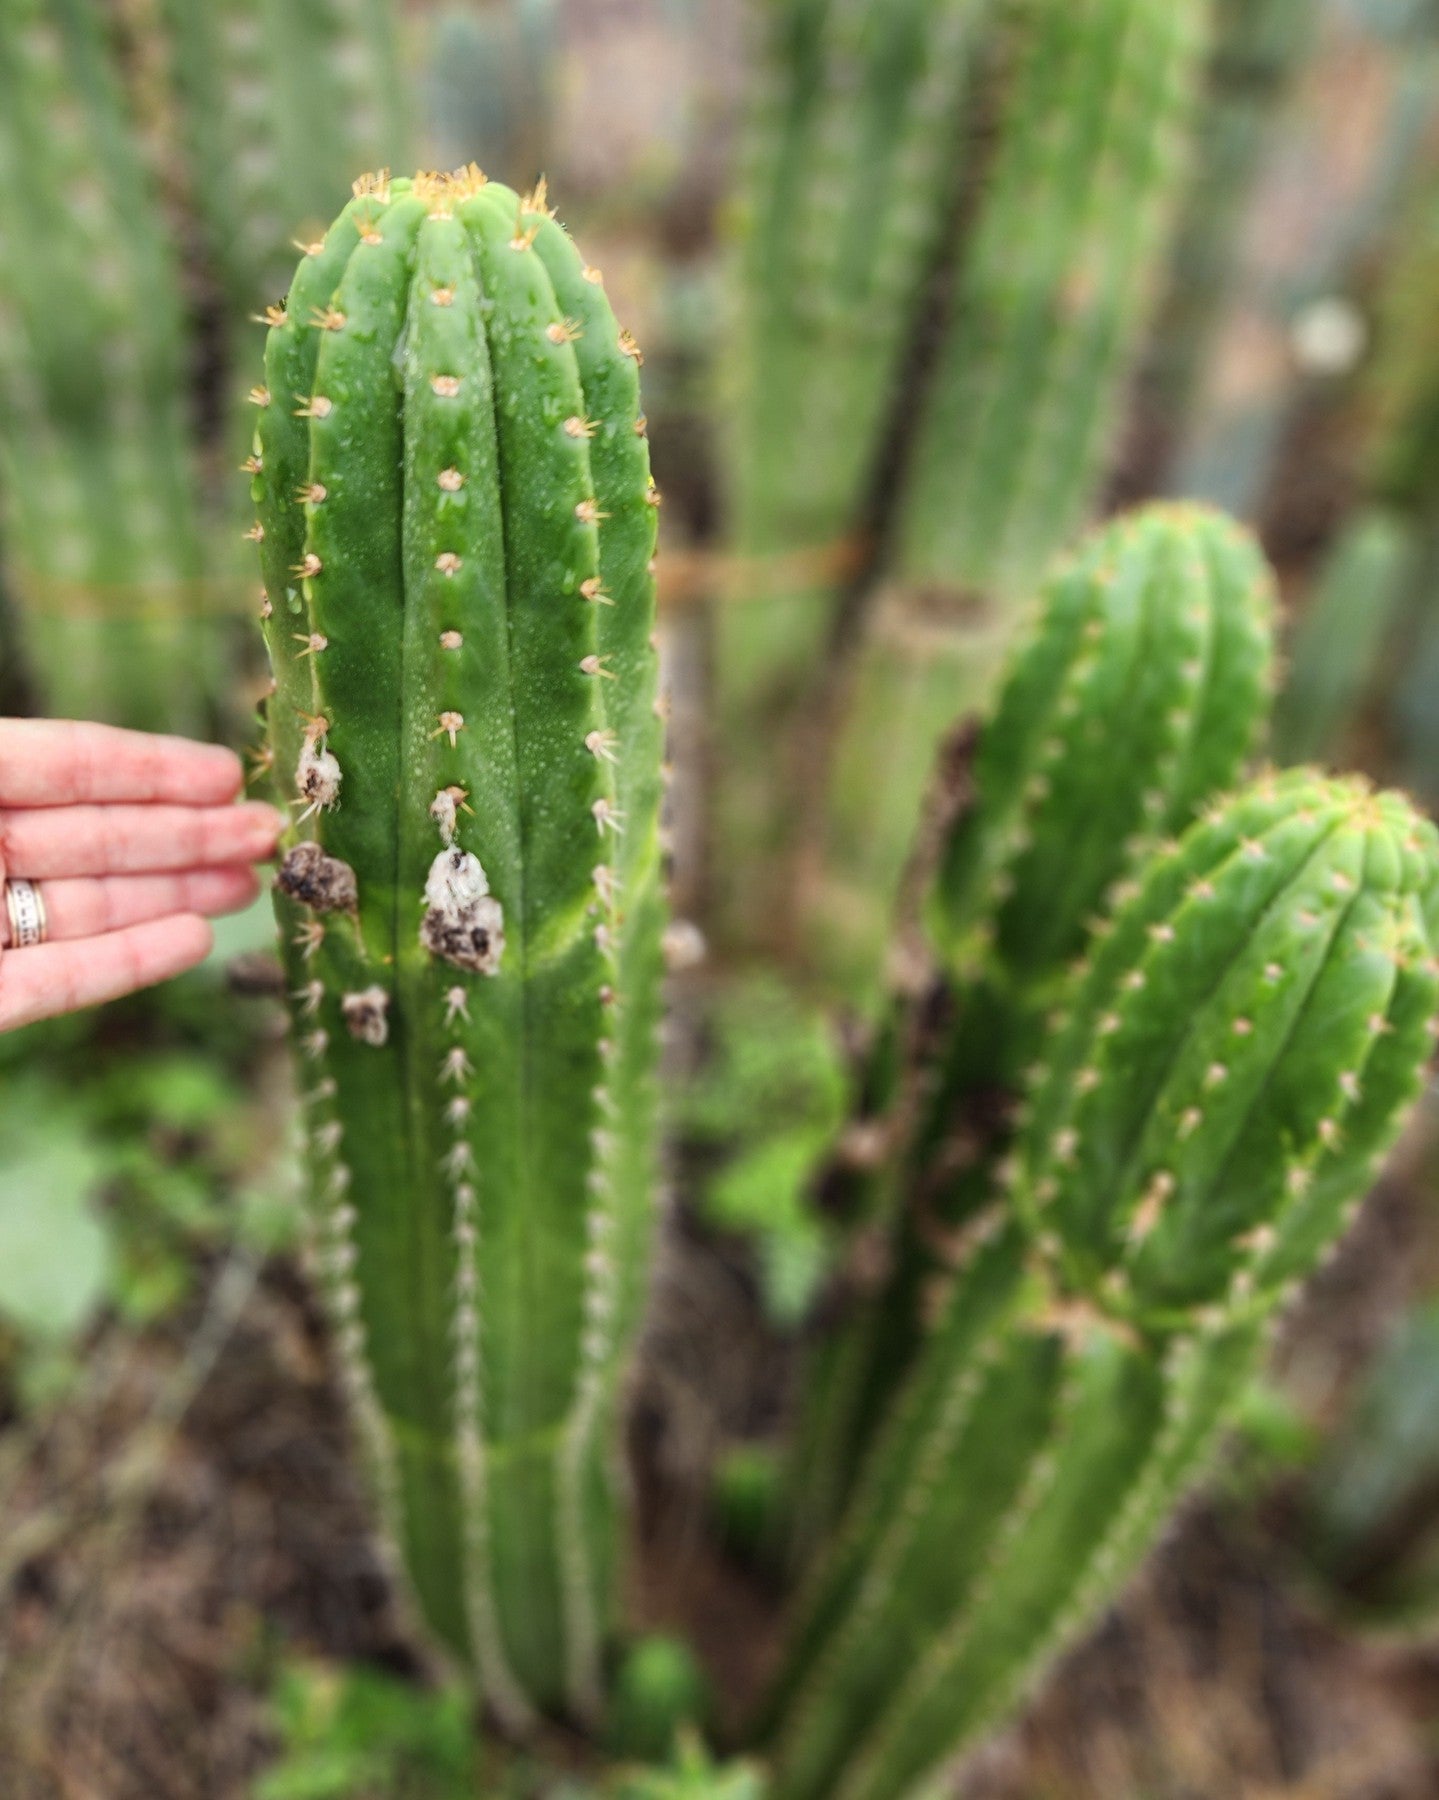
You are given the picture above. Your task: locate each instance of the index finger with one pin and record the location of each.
(56, 762)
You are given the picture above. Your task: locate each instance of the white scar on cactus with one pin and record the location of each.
(463, 921)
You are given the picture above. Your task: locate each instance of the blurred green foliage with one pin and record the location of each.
(353, 1733)
(136, 1135)
(765, 1108)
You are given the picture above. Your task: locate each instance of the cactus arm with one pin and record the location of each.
(1128, 1429)
(1138, 693)
(1275, 962)
(1155, 643)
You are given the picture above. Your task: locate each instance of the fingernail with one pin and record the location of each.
(264, 823)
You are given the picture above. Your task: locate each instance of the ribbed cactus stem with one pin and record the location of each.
(1228, 1072)
(1136, 696)
(1053, 290)
(845, 201)
(100, 523)
(458, 527)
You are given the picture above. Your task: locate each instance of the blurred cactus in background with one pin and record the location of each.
(1094, 142)
(103, 538)
(980, 439)
(1256, 51)
(1373, 609)
(489, 83)
(276, 107)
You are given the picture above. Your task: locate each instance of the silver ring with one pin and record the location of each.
(26, 911)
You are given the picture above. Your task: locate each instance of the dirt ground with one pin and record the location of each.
(162, 1538)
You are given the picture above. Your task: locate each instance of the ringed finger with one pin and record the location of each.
(88, 906)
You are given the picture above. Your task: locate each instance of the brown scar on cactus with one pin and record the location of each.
(463, 921)
(367, 1016)
(317, 880)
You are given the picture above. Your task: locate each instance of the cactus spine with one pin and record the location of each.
(102, 532)
(1137, 695)
(458, 527)
(1224, 1077)
(1053, 290)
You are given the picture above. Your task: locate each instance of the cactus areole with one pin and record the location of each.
(457, 527)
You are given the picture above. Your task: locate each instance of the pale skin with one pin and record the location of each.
(135, 841)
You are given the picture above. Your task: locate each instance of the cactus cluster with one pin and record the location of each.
(1137, 695)
(1221, 1079)
(457, 523)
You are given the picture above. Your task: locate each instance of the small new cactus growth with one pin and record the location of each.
(1137, 696)
(1223, 1079)
(457, 523)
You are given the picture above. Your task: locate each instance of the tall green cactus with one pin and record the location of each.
(1138, 695)
(102, 535)
(1052, 290)
(457, 530)
(1223, 1077)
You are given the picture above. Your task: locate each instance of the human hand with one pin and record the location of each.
(132, 842)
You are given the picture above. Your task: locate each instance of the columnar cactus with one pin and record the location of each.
(457, 523)
(847, 184)
(1137, 696)
(100, 497)
(844, 205)
(1221, 1082)
(276, 109)
(1085, 181)
(966, 436)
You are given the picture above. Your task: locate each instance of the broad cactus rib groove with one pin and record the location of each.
(447, 531)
